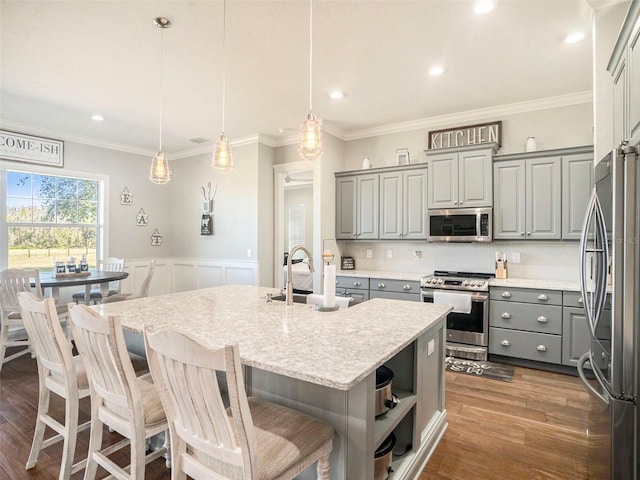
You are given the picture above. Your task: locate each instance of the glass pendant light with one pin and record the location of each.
(311, 131)
(160, 173)
(222, 156)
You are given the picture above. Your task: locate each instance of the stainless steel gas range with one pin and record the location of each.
(468, 323)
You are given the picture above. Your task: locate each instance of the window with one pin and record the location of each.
(296, 229)
(50, 218)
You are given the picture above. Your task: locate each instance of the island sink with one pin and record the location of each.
(297, 298)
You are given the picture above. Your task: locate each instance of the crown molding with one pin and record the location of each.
(425, 123)
(474, 115)
(70, 137)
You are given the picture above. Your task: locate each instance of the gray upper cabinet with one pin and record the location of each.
(527, 199)
(577, 183)
(357, 203)
(461, 177)
(624, 67)
(542, 195)
(403, 203)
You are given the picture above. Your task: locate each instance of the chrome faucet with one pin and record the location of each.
(289, 259)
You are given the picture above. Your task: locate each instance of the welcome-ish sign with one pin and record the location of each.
(469, 135)
(20, 147)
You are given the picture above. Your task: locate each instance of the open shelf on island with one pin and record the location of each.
(385, 424)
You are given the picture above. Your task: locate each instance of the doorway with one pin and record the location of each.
(293, 191)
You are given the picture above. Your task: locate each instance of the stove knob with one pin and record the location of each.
(474, 283)
(465, 283)
(440, 281)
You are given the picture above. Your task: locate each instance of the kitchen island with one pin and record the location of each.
(324, 363)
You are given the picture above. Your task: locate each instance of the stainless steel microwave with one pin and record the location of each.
(460, 225)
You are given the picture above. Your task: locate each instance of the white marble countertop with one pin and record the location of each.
(381, 274)
(335, 349)
(531, 283)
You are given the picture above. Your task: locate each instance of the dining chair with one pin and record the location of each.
(12, 332)
(110, 264)
(58, 372)
(252, 439)
(144, 290)
(125, 403)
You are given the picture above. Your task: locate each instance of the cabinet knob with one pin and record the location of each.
(381, 285)
(580, 301)
(336, 282)
(542, 319)
(407, 287)
(505, 343)
(506, 315)
(542, 297)
(541, 348)
(354, 234)
(356, 284)
(528, 233)
(506, 294)
(400, 234)
(522, 234)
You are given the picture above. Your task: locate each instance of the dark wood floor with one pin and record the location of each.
(533, 428)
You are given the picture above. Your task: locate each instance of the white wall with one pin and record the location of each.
(125, 239)
(560, 127)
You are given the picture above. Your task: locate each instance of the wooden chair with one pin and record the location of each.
(59, 372)
(125, 403)
(144, 290)
(252, 439)
(12, 333)
(97, 295)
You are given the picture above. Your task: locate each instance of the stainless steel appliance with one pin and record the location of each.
(610, 248)
(460, 225)
(467, 330)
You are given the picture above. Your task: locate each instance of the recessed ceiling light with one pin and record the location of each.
(436, 70)
(574, 37)
(336, 95)
(484, 6)
(97, 118)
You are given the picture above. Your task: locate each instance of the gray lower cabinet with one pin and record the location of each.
(394, 289)
(576, 336)
(526, 323)
(542, 325)
(354, 287)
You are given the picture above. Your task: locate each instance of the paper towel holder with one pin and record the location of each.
(320, 308)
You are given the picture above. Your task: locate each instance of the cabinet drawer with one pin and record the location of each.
(539, 347)
(357, 295)
(526, 316)
(352, 282)
(574, 299)
(400, 286)
(528, 295)
(411, 297)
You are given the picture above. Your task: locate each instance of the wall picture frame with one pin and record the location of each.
(402, 156)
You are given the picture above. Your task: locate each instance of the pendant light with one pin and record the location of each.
(160, 173)
(222, 156)
(310, 130)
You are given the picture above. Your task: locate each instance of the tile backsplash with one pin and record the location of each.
(538, 260)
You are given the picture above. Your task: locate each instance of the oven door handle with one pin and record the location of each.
(475, 297)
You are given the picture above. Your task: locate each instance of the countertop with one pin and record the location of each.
(494, 282)
(334, 349)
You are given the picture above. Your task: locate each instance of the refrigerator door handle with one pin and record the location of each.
(584, 359)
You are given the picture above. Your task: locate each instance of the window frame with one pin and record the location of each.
(102, 238)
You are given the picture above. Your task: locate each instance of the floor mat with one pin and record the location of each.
(495, 371)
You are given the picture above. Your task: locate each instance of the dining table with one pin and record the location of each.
(51, 284)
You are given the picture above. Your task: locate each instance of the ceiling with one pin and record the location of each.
(63, 61)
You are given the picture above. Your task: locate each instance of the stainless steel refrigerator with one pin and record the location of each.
(610, 283)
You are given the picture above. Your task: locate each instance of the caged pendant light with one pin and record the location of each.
(160, 173)
(310, 130)
(222, 156)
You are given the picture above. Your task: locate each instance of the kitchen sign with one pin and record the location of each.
(20, 147)
(469, 135)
